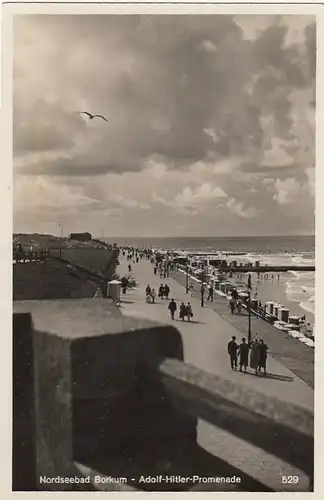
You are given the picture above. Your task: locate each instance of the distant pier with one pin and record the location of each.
(264, 269)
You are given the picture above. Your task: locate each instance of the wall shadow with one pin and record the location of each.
(283, 441)
(167, 459)
(194, 322)
(271, 376)
(161, 440)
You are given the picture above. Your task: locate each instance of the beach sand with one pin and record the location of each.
(275, 290)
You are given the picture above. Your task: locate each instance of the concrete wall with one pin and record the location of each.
(24, 443)
(98, 393)
(87, 388)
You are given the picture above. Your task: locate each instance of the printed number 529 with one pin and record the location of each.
(289, 479)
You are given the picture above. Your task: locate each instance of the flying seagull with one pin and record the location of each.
(91, 117)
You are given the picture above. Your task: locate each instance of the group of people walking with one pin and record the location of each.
(185, 311)
(235, 302)
(150, 295)
(258, 352)
(164, 291)
(163, 268)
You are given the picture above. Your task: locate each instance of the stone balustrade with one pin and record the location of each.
(97, 394)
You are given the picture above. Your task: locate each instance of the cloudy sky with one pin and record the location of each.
(210, 124)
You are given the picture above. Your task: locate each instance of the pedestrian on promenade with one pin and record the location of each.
(129, 268)
(155, 270)
(172, 308)
(183, 311)
(189, 312)
(232, 303)
(153, 295)
(124, 283)
(232, 348)
(148, 290)
(239, 306)
(166, 291)
(191, 289)
(263, 348)
(244, 355)
(148, 298)
(210, 293)
(202, 294)
(249, 282)
(255, 356)
(161, 291)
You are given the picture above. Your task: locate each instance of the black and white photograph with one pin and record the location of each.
(163, 251)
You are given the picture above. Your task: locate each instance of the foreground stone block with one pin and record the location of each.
(91, 395)
(24, 441)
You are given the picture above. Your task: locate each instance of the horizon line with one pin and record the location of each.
(233, 236)
(182, 237)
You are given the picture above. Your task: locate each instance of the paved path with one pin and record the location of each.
(205, 342)
(290, 352)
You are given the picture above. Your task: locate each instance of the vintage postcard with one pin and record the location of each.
(162, 253)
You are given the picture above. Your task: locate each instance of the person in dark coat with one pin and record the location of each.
(244, 355)
(263, 348)
(210, 293)
(124, 283)
(166, 291)
(232, 348)
(255, 356)
(189, 311)
(161, 291)
(232, 303)
(183, 311)
(172, 308)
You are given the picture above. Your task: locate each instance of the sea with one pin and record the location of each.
(294, 289)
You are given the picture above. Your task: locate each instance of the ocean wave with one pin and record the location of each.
(301, 289)
(281, 259)
(308, 306)
(300, 285)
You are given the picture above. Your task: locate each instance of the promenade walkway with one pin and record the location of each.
(289, 352)
(205, 346)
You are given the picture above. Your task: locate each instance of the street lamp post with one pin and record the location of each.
(187, 279)
(202, 289)
(249, 311)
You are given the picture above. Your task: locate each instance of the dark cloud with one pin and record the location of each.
(44, 127)
(194, 104)
(67, 168)
(272, 170)
(158, 68)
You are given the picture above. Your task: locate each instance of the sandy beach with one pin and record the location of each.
(275, 290)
